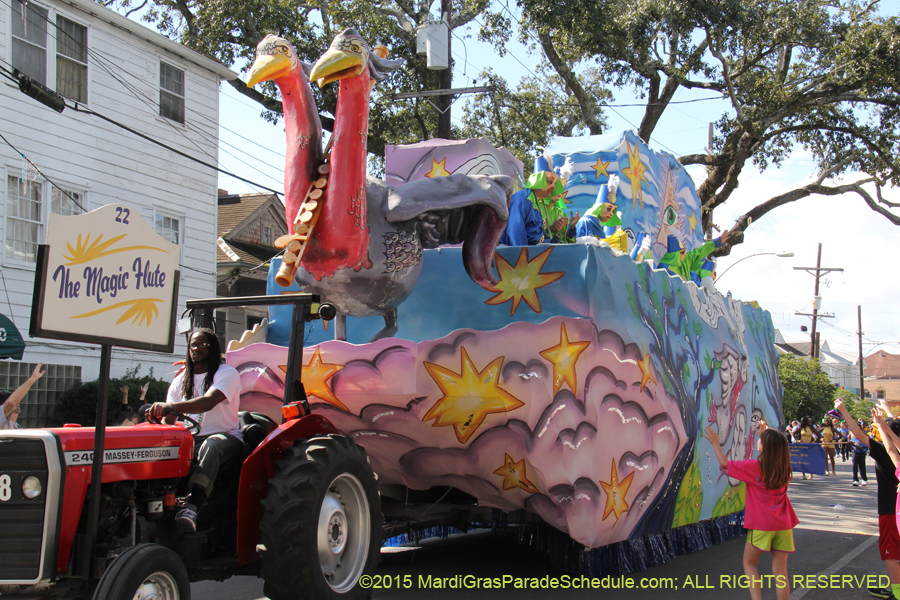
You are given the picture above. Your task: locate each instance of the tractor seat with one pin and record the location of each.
(255, 427)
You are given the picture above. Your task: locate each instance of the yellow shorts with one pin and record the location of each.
(782, 541)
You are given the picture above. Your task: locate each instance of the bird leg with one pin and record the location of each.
(390, 326)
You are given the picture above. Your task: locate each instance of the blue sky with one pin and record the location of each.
(853, 237)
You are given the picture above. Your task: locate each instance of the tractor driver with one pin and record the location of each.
(209, 392)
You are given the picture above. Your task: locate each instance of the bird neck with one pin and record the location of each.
(341, 238)
(303, 129)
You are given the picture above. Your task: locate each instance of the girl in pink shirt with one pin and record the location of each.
(768, 516)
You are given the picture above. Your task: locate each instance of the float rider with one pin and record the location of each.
(689, 264)
(537, 213)
(602, 220)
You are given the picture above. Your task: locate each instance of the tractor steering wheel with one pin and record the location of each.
(193, 425)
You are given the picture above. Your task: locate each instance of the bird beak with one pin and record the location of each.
(267, 67)
(337, 64)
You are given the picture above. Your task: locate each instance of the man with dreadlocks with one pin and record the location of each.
(209, 392)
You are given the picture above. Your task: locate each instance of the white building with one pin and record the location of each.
(124, 71)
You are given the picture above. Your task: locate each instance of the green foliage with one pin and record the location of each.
(733, 500)
(807, 390)
(862, 409)
(79, 404)
(690, 498)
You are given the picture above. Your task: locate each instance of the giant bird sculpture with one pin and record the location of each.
(356, 241)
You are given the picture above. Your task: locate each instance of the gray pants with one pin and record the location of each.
(210, 452)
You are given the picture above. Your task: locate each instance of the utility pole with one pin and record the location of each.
(862, 390)
(446, 79)
(819, 271)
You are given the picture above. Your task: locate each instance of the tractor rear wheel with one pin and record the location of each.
(321, 523)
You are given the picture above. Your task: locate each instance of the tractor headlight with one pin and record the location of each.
(31, 487)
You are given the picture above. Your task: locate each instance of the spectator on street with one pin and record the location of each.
(888, 537)
(845, 438)
(11, 400)
(829, 433)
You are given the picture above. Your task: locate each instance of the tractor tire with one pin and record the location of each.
(145, 571)
(321, 522)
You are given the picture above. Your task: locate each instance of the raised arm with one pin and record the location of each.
(713, 438)
(855, 430)
(19, 394)
(890, 439)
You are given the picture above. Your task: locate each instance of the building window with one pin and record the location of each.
(253, 320)
(169, 228)
(30, 51)
(29, 39)
(71, 59)
(64, 202)
(171, 92)
(267, 236)
(24, 223)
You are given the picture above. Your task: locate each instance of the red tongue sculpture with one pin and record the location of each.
(341, 237)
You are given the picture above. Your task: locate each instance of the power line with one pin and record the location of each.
(20, 153)
(104, 64)
(76, 108)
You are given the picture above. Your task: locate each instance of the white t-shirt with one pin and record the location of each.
(5, 423)
(223, 418)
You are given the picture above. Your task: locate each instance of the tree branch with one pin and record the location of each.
(405, 22)
(588, 109)
(742, 119)
(709, 160)
(754, 214)
(137, 8)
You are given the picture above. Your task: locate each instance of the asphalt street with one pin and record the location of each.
(836, 549)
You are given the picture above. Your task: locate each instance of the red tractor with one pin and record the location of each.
(301, 509)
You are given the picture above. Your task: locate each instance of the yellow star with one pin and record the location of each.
(601, 168)
(514, 475)
(522, 281)
(615, 497)
(468, 396)
(438, 169)
(646, 373)
(564, 356)
(693, 221)
(635, 173)
(315, 374)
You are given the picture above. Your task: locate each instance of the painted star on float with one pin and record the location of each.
(438, 169)
(522, 281)
(615, 492)
(635, 172)
(646, 372)
(514, 475)
(468, 396)
(693, 221)
(601, 168)
(315, 376)
(564, 356)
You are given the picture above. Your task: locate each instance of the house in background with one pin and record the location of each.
(132, 75)
(249, 224)
(882, 376)
(842, 368)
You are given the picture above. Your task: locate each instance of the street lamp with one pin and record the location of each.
(778, 254)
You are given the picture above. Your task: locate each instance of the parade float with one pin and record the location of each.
(567, 380)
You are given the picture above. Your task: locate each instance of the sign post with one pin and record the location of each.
(107, 278)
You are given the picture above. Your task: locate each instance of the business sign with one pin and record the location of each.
(106, 277)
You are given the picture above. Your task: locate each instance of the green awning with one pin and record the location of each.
(11, 343)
